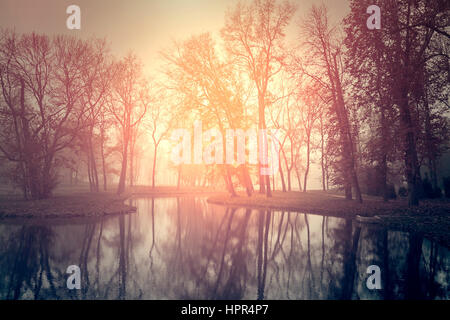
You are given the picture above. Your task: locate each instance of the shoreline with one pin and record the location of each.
(80, 203)
(431, 218)
(77, 205)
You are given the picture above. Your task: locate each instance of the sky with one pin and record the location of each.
(143, 26)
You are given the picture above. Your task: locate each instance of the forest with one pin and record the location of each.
(369, 107)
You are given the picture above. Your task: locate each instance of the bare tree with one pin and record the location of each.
(41, 87)
(95, 79)
(160, 120)
(409, 64)
(211, 88)
(127, 105)
(309, 109)
(325, 54)
(254, 36)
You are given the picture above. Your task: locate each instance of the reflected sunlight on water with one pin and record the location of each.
(184, 248)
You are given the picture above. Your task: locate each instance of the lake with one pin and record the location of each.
(185, 248)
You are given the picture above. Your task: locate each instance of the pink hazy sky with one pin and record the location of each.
(144, 26)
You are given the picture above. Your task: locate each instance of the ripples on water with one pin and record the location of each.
(187, 249)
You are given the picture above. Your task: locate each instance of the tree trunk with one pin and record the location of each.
(411, 162)
(229, 181)
(299, 180)
(93, 164)
(262, 126)
(247, 180)
(289, 179)
(131, 173)
(262, 183)
(288, 169)
(348, 155)
(268, 190)
(89, 171)
(322, 155)
(383, 163)
(383, 166)
(123, 171)
(103, 163)
(179, 177)
(47, 184)
(154, 167)
(274, 185)
(283, 183)
(305, 178)
(429, 138)
(23, 146)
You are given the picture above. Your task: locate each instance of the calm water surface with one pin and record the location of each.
(184, 248)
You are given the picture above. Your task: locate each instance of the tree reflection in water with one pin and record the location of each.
(25, 266)
(184, 248)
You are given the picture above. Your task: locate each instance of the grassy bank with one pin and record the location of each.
(331, 204)
(64, 206)
(73, 201)
(431, 218)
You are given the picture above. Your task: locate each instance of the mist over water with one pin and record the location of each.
(184, 248)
